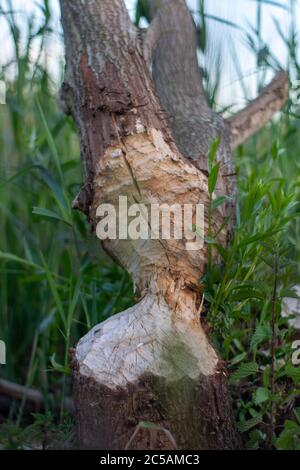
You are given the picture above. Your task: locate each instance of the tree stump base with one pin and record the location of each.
(151, 365)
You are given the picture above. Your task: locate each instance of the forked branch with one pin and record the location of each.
(260, 111)
(170, 46)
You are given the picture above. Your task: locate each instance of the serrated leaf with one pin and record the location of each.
(261, 395)
(296, 412)
(293, 373)
(245, 426)
(244, 293)
(244, 371)
(262, 333)
(239, 358)
(289, 438)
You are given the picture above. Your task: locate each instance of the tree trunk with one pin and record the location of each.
(152, 363)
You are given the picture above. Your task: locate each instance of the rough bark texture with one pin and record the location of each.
(171, 43)
(152, 362)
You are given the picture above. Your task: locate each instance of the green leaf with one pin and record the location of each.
(245, 426)
(293, 373)
(212, 153)
(48, 214)
(256, 438)
(289, 438)
(220, 248)
(243, 293)
(213, 178)
(258, 237)
(219, 201)
(244, 371)
(238, 358)
(296, 412)
(50, 139)
(18, 259)
(56, 190)
(262, 333)
(59, 367)
(30, 264)
(142, 10)
(261, 395)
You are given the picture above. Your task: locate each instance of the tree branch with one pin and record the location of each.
(103, 85)
(32, 395)
(171, 45)
(254, 117)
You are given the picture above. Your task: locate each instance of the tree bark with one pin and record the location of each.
(153, 362)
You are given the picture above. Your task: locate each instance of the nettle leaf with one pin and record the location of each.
(262, 333)
(244, 371)
(296, 412)
(243, 293)
(245, 426)
(261, 395)
(293, 373)
(239, 358)
(289, 438)
(256, 437)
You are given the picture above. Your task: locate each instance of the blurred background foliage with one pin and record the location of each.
(56, 282)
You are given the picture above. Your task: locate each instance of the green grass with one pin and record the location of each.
(56, 282)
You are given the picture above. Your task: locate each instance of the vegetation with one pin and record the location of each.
(54, 289)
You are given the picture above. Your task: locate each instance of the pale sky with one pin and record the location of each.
(241, 12)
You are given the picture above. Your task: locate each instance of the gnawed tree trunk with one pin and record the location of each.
(145, 130)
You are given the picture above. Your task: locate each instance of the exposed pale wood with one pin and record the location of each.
(152, 164)
(147, 339)
(153, 363)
